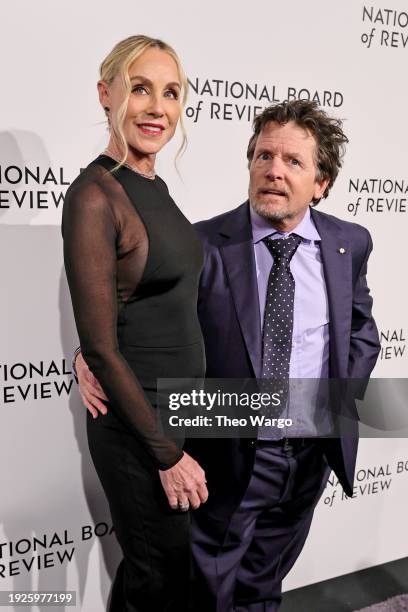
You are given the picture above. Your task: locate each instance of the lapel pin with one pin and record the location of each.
(342, 250)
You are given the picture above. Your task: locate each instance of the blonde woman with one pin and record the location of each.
(133, 262)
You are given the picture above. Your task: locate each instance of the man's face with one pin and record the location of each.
(283, 174)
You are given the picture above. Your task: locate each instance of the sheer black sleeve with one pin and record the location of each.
(91, 231)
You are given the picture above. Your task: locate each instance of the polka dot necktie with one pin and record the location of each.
(278, 319)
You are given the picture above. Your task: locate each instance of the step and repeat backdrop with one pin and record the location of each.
(55, 528)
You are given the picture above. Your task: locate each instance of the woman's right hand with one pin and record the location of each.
(89, 388)
(184, 484)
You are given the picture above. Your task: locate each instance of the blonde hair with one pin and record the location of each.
(118, 62)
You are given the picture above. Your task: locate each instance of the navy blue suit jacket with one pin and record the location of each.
(230, 320)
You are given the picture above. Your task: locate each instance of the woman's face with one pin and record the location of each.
(154, 104)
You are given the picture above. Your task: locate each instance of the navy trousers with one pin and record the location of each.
(265, 535)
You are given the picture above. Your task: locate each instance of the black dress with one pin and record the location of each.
(133, 263)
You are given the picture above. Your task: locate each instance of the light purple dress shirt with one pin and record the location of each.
(310, 339)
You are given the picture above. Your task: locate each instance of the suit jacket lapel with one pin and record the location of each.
(238, 256)
(337, 266)
(237, 252)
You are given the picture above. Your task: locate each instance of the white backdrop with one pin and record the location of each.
(55, 530)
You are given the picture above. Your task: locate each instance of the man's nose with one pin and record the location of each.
(275, 169)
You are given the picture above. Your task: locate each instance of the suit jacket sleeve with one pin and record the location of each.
(364, 341)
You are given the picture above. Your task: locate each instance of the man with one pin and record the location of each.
(283, 294)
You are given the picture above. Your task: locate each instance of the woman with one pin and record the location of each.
(133, 262)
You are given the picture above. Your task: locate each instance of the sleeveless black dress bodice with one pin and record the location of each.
(133, 263)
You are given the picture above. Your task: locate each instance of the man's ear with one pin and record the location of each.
(320, 188)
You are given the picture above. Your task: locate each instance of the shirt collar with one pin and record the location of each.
(261, 228)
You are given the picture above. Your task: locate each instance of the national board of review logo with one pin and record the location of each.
(39, 380)
(32, 187)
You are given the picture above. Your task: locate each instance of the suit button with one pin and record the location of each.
(252, 443)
